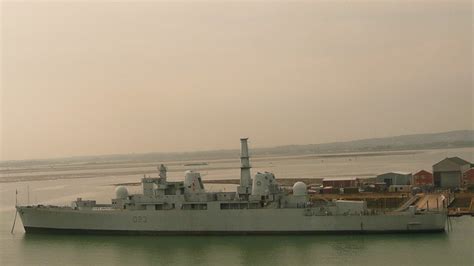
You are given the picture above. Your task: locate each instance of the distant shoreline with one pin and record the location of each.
(104, 166)
(93, 171)
(429, 141)
(116, 169)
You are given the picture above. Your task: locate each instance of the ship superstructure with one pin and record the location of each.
(258, 206)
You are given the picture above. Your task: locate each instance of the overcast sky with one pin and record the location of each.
(99, 78)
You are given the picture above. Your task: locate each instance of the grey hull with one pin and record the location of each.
(230, 222)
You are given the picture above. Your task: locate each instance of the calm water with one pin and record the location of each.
(450, 248)
(453, 248)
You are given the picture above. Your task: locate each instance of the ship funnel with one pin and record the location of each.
(245, 179)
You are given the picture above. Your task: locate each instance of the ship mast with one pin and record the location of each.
(162, 169)
(245, 179)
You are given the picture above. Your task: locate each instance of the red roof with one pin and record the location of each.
(423, 172)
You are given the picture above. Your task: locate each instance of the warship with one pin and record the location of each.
(258, 206)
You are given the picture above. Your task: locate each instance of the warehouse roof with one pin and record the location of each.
(396, 172)
(456, 160)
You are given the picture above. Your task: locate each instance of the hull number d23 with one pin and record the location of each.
(139, 219)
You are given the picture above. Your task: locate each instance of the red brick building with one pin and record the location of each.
(468, 178)
(423, 178)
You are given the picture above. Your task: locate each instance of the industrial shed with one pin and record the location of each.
(448, 172)
(345, 182)
(394, 178)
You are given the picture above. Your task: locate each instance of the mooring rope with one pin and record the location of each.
(14, 220)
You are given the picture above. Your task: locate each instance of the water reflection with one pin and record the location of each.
(231, 250)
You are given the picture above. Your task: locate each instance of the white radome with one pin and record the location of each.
(300, 189)
(121, 192)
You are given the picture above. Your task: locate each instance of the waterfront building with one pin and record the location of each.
(448, 172)
(344, 182)
(422, 178)
(394, 178)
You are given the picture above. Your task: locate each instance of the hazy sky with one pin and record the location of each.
(97, 78)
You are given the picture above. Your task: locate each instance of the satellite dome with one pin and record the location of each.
(121, 192)
(300, 189)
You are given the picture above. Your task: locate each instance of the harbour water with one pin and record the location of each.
(450, 248)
